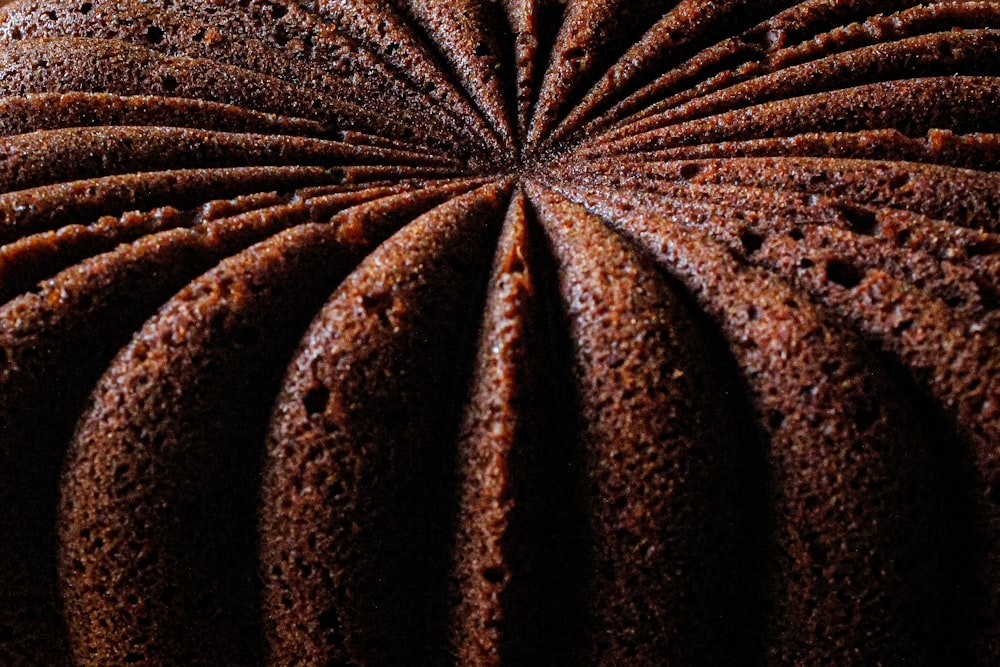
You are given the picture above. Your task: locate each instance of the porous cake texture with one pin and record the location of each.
(499, 333)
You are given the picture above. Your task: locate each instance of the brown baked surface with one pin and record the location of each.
(499, 333)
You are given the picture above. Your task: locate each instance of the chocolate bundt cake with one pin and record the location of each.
(577, 332)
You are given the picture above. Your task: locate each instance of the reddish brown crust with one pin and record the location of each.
(145, 432)
(591, 35)
(27, 212)
(831, 466)
(977, 151)
(966, 52)
(32, 258)
(931, 255)
(50, 111)
(80, 153)
(95, 307)
(804, 32)
(469, 36)
(657, 444)
(913, 107)
(792, 254)
(329, 463)
(384, 30)
(493, 427)
(680, 29)
(90, 65)
(334, 67)
(963, 197)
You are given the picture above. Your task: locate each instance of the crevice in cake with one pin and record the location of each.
(954, 531)
(872, 462)
(961, 197)
(82, 153)
(474, 43)
(49, 111)
(514, 550)
(550, 540)
(706, 603)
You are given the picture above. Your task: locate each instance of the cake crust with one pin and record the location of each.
(597, 332)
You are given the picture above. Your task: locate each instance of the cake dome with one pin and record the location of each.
(612, 332)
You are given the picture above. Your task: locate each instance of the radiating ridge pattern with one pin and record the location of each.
(611, 332)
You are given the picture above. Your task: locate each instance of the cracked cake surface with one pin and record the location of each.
(611, 332)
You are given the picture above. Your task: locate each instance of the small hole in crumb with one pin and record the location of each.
(775, 420)
(315, 400)
(843, 273)
(899, 180)
(984, 247)
(690, 170)
(154, 34)
(751, 241)
(901, 327)
(860, 220)
(574, 56)
(494, 575)
(328, 619)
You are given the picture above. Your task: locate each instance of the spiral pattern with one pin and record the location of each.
(615, 332)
